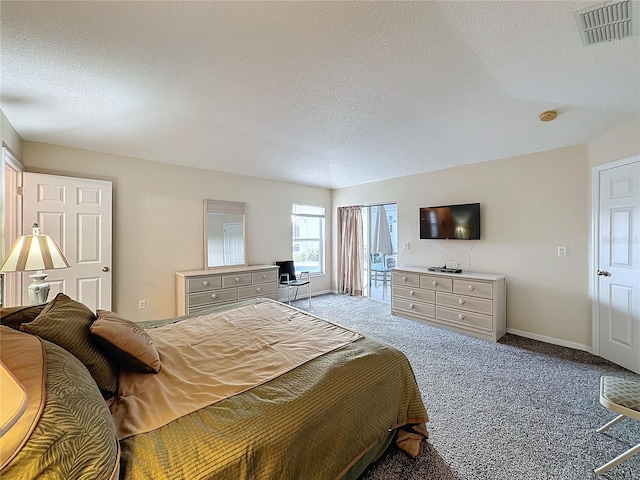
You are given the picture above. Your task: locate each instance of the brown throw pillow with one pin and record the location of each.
(66, 323)
(129, 345)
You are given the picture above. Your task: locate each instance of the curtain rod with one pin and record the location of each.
(370, 205)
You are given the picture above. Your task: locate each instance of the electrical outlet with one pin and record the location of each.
(562, 251)
(407, 245)
(142, 304)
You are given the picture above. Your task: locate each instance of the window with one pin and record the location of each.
(307, 226)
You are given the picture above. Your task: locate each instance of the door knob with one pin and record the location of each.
(105, 269)
(603, 273)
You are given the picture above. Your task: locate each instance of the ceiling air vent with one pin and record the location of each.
(608, 21)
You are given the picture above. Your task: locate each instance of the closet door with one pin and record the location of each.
(76, 212)
(618, 267)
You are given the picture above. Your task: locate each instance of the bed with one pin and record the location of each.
(256, 390)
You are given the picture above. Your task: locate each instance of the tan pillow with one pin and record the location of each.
(66, 323)
(128, 344)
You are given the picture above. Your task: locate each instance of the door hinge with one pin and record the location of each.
(20, 190)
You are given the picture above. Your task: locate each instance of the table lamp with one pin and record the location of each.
(35, 252)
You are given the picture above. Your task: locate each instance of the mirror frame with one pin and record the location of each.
(222, 207)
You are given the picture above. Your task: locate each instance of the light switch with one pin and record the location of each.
(562, 251)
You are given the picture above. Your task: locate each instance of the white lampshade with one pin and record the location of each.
(34, 252)
(13, 399)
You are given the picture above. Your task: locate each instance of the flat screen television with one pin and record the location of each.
(461, 222)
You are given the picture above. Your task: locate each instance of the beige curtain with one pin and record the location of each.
(351, 251)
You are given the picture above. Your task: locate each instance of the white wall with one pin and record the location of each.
(158, 219)
(623, 142)
(530, 205)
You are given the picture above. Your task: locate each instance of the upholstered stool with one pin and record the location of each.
(623, 397)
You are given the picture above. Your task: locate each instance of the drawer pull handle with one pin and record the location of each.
(258, 289)
(214, 296)
(460, 317)
(264, 275)
(412, 306)
(435, 283)
(472, 288)
(461, 302)
(237, 279)
(205, 283)
(412, 293)
(404, 279)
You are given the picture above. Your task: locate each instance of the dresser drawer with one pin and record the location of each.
(406, 279)
(462, 302)
(259, 290)
(416, 308)
(434, 282)
(208, 282)
(264, 277)
(473, 288)
(236, 280)
(202, 308)
(414, 294)
(476, 320)
(212, 297)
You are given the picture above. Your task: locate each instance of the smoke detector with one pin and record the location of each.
(608, 21)
(548, 116)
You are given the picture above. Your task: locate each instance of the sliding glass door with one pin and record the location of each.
(381, 248)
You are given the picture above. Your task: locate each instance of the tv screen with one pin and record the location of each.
(460, 222)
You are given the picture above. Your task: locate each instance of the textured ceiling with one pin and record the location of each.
(320, 93)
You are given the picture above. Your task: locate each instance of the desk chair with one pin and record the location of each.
(288, 280)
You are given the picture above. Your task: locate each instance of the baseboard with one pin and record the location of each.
(321, 292)
(302, 295)
(551, 340)
(521, 333)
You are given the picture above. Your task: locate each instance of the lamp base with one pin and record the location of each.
(38, 289)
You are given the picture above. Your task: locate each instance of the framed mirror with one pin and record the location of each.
(223, 233)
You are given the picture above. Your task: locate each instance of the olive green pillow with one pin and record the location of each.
(129, 345)
(67, 323)
(15, 316)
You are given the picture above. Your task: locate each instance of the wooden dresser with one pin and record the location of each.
(471, 303)
(200, 289)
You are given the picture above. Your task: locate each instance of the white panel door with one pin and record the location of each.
(233, 250)
(618, 269)
(76, 212)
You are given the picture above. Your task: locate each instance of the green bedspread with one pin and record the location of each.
(313, 422)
